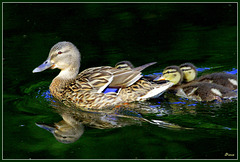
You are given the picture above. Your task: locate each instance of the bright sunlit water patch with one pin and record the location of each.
(227, 128)
(203, 69)
(178, 102)
(45, 94)
(234, 71)
(192, 104)
(155, 74)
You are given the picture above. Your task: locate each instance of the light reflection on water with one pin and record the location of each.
(46, 94)
(234, 71)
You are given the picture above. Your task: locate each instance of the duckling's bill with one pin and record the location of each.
(159, 78)
(45, 65)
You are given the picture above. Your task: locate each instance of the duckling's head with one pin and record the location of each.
(189, 72)
(64, 56)
(171, 73)
(125, 65)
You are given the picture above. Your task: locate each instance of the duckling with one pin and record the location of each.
(127, 65)
(189, 72)
(199, 91)
(220, 78)
(174, 75)
(86, 89)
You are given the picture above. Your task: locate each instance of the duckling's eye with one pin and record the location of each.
(60, 52)
(174, 74)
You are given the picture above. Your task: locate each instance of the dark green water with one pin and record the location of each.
(106, 33)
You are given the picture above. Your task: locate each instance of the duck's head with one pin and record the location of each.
(125, 65)
(172, 74)
(64, 56)
(64, 132)
(189, 72)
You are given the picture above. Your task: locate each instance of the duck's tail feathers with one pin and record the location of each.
(156, 92)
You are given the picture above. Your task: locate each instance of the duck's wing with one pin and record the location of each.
(124, 78)
(140, 68)
(98, 78)
(93, 79)
(127, 65)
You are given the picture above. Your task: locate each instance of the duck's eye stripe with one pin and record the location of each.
(185, 68)
(121, 66)
(168, 72)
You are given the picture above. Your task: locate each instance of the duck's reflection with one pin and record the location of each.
(66, 131)
(71, 128)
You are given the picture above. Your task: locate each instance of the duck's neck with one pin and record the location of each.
(68, 74)
(62, 80)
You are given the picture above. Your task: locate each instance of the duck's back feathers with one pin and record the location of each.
(92, 79)
(98, 78)
(124, 78)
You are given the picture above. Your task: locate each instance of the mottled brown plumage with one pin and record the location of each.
(86, 89)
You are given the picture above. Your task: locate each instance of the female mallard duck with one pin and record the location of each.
(86, 90)
(224, 79)
(200, 91)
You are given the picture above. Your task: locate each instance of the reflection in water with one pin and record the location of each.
(66, 131)
(71, 128)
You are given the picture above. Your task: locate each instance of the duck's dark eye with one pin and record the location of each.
(60, 52)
